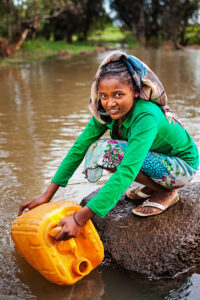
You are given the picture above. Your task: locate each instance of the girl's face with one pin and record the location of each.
(117, 97)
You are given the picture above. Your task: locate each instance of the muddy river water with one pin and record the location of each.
(43, 109)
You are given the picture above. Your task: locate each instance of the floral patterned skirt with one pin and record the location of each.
(170, 172)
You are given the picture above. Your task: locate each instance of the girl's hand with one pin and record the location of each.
(69, 229)
(46, 197)
(33, 203)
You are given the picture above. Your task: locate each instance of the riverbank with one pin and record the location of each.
(111, 37)
(98, 41)
(40, 49)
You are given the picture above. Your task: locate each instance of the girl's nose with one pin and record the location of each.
(111, 103)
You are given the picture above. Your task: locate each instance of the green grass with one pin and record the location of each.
(40, 48)
(114, 34)
(111, 34)
(51, 47)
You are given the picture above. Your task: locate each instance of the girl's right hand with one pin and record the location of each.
(33, 203)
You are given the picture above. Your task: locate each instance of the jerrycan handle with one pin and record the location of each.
(81, 266)
(55, 231)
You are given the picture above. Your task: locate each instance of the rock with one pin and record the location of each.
(64, 54)
(159, 246)
(95, 51)
(192, 46)
(101, 49)
(85, 52)
(168, 46)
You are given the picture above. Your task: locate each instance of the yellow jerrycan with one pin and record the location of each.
(62, 262)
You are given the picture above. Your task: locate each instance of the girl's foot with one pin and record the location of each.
(166, 199)
(138, 193)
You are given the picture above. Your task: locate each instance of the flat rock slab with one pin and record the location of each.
(158, 246)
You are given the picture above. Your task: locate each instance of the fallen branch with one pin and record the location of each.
(6, 50)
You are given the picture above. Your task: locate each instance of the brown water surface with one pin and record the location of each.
(43, 109)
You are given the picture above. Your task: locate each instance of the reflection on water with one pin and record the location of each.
(43, 109)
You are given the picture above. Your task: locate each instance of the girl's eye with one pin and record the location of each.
(118, 95)
(103, 96)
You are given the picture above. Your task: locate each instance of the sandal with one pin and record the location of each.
(136, 191)
(156, 205)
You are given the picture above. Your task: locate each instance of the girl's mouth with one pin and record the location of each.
(113, 111)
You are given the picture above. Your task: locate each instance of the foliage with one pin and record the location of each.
(157, 19)
(76, 18)
(60, 18)
(132, 14)
(192, 34)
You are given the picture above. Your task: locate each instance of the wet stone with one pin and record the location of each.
(158, 246)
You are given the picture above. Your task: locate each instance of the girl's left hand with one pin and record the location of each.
(69, 229)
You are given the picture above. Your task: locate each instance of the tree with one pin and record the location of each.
(176, 15)
(18, 18)
(92, 12)
(166, 19)
(76, 18)
(132, 14)
(62, 18)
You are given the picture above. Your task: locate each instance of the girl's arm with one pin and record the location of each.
(93, 131)
(143, 134)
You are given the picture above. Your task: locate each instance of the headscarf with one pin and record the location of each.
(149, 86)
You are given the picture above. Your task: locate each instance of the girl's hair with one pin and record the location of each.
(118, 69)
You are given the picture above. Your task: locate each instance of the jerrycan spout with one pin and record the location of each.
(82, 266)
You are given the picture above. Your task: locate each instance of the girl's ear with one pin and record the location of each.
(136, 94)
(99, 105)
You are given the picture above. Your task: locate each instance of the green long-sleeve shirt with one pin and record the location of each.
(145, 128)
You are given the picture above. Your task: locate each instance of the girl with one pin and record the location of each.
(148, 145)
